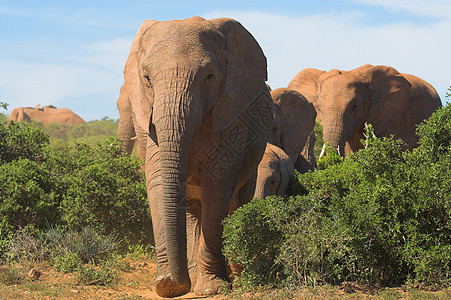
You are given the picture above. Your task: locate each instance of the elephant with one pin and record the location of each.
(46, 115)
(392, 102)
(274, 172)
(292, 128)
(202, 112)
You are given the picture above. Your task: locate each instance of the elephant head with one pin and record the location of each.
(274, 172)
(292, 127)
(379, 95)
(181, 74)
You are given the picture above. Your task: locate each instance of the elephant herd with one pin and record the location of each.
(212, 135)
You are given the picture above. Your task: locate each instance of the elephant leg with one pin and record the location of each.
(211, 263)
(193, 214)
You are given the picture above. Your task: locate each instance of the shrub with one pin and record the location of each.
(67, 262)
(10, 275)
(26, 247)
(75, 186)
(382, 216)
(21, 140)
(103, 188)
(88, 244)
(96, 275)
(252, 239)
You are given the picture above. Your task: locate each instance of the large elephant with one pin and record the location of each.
(46, 115)
(292, 128)
(274, 172)
(392, 102)
(202, 112)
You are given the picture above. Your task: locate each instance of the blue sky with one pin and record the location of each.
(72, 53)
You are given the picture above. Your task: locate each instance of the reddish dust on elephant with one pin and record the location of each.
(195, 96)
(392, 102)
(46, 115)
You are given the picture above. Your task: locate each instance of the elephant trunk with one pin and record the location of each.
(260, 189)
(335, 135)
(175, 121)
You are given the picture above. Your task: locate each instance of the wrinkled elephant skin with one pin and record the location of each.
(292, 128)
(392, 102)
(274, 172)
(202, 113)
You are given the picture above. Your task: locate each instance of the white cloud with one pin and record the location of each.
(82, 78)
(343, 41)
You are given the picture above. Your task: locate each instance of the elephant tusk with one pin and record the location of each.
(133, 138)
(338, 150)
(322, 151)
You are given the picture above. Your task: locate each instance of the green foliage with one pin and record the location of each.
(319, 142)
(252, 239)
(382, 216)
(91, 133)
(88, 244)
(21, 140)
(141, 252)
(102, 187)
(67, 262)
(97, 275)
(10, 275)
(3, 118)
(4, 105)
(331, 158)
(71, 185)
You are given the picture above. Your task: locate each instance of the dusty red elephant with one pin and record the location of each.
(45, 115)
(195, 96)
(392, 102)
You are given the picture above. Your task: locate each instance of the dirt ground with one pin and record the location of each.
(136, 282)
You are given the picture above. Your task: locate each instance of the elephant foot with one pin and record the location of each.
(209, 285)
(166, 287)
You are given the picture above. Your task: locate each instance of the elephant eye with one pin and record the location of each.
(208, 78)
(147, 81)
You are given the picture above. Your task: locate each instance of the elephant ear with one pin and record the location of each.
(245, 75)
(298, 119)
(389, 93)
(132, 76)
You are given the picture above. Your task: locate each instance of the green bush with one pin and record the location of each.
(103, 188)
(88, 244)
(21, 140)
(382, 216)
(97, 275)
(91, 133)
(69, 185)
(67, 262)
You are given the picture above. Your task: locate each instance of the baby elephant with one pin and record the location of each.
(274, 172)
